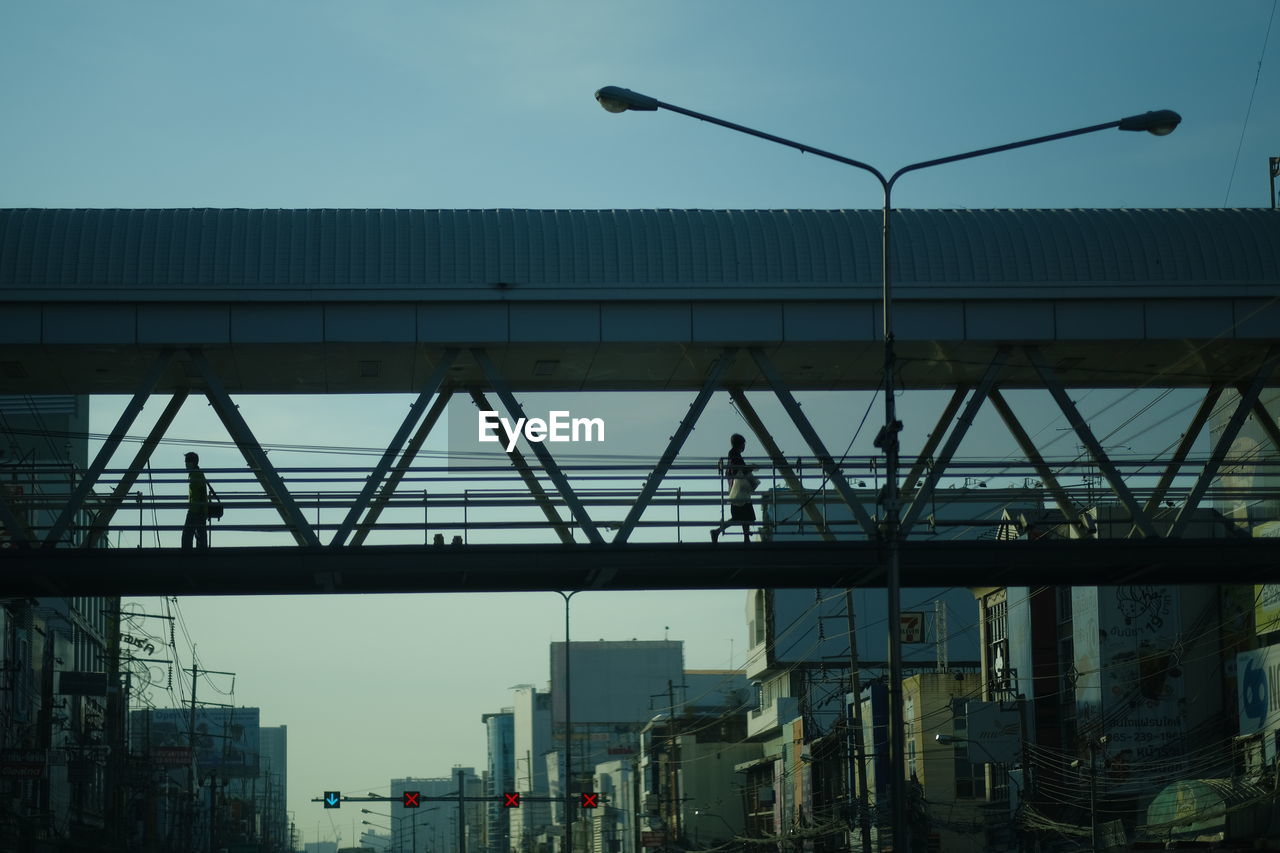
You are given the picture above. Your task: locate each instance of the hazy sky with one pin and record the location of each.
(480, 105)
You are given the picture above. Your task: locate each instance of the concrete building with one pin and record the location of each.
(57, 706)
(531, 725)
(273, 778)
(500, 779)
(1127, 680)
(615, 688)
(690, 788)
(434, 827)
(799, 653)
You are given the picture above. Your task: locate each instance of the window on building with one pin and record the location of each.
(996, 617)
(757, 626)
(971, 780)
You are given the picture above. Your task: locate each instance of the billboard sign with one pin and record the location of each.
(1258, 689)
(996, 729)
(225, 740)
(912, 626)
(23, 763)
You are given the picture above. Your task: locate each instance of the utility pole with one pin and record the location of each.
(674, 765)
(1094, 744)
(191, 744)
(462, 814)
(856, 743)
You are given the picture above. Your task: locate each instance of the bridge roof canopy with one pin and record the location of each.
(512, 255)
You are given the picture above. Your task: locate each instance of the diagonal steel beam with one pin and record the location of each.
(1264, 419)
(925, 494)
(540, 495)
(1184, 445)
(253, 454)
(687, 423)
(1095, 448)
(558, 479)
(102, 521)
(429, 389)
(780, 462)
(10, 521)
(402, 467)
(1226, 439)
(76, 501)
(1069, 510)
(935, 438)
(810, 435)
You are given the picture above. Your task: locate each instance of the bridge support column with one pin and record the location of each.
(810, 435)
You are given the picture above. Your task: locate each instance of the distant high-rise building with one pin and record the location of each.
(531, 724)
(434, 827)
(500, 737)
(273, 766)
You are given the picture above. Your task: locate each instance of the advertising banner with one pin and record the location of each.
(225, 740)
(1258, 690)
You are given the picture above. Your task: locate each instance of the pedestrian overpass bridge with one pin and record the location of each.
(435, 303)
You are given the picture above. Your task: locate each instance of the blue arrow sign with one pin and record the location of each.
(332, 799)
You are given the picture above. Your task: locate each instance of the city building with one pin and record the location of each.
(690, 790)
(531, 725)
(614, 689)
(800, 659)
(435, 826)
(500, 779)
(61, 711)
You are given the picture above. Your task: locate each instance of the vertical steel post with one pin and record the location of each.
(462, 816)
(887, 441)
(857, 750)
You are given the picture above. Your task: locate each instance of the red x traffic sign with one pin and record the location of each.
(590, 801)
(411, 799)
(510, 801)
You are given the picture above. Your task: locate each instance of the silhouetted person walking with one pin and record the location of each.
(196, 526)
(741, 510)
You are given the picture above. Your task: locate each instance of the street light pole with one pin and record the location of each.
(1160, 123)
(568, 729)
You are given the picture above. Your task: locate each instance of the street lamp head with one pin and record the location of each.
(1158, 122)
(945, 739)
(615, 99)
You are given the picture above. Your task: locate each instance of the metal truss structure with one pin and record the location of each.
(1162, 523)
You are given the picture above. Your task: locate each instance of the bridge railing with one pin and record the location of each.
(491, 503)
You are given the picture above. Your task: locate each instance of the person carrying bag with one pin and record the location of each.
(742, 484)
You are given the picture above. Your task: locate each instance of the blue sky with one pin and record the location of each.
(481, 105)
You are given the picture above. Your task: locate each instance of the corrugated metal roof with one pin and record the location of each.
(237, 249)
